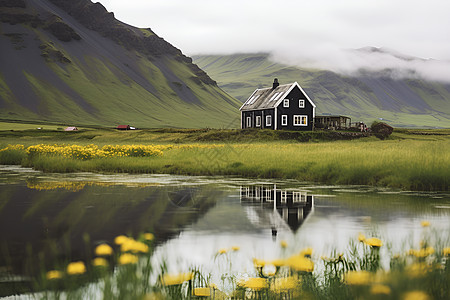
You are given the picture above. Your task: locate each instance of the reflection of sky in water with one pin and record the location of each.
(338, 215)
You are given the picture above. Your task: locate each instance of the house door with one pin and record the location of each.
(249, 122)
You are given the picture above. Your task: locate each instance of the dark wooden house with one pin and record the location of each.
(279, 107)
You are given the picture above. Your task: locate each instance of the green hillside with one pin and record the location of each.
(72, 62)
(407, 102)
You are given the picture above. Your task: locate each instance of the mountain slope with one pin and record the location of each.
(366, 97)
(73, 62)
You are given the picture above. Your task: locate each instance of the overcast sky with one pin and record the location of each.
(310, 32)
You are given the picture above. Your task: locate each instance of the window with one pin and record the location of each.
(249, 122)
(284, 120)
(301, 103)
(300, 120)
(286, 103)
(269, 120)
(258, 121)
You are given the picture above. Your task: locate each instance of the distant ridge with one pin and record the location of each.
(71, 61)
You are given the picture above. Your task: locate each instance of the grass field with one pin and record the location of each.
(409, 159)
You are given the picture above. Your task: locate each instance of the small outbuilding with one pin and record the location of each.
(123, 127)
(71, 128)
(332, 122)
(280, 107)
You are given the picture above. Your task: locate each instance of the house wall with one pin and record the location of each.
(294, 96)
(252, 114)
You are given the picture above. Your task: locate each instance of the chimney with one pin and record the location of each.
(275, 83)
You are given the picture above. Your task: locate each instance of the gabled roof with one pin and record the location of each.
(271, 98)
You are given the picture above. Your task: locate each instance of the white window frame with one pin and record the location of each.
(269, 120)
(249, 122)
(297, 120)
(301, 103)
(258, 121)
(286, 103)
(284, 120)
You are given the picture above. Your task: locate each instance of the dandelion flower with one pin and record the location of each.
(357, 277)
(202, 292)
(54, 274)
(416, 295)
(100, 262)
(222, 251)
(131, 245)
(119, 240)
(103, 249)
(300, 263)
(380, 289)
(75, 268)
(259, 263)
(373, 242)
(176, 279)
(149, 236)
(284, 283)
(307, 251)
(255, 283)
(128, 258)
(446, 251)
(283, 244)
(235, 248)
(361, 237)
(425, 223)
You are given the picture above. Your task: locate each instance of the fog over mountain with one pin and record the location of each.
(369, 60)
(312, 34)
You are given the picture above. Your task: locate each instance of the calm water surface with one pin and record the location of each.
(53, 216)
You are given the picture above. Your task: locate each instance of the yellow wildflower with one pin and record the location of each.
(418, 269)
(176, 279)
(119, 240)
(357, 277)
(133, 246)
(278, 262)
(255, 283)
(300, 263)
(149, 236)
(416, 295)
(373, 242)
(361, 237)
(380, 289)
(100, 262)
(222, 251)
(283, 244)
(75, 268)
(307, 251)
(103, 249)
(446, 251)
(259, 263)
(284, 283)
(128, 258)
(202, 292)
(235, 248)
(425, 223)
(54, 274)
(424, 252)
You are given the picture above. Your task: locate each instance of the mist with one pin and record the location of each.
(316, 34)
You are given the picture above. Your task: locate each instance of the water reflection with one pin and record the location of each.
(281, 206)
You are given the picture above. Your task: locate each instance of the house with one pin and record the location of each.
(70, 128)
(279, 107)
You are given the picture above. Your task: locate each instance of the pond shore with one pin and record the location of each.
(409, 159)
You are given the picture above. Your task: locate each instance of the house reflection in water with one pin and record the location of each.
(280, 206)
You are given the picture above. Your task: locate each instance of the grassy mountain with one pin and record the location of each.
(71, 61)
(366, 97)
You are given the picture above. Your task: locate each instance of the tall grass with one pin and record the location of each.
(127, 271)
(407, 164)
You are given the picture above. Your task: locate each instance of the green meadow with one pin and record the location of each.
(408, 159)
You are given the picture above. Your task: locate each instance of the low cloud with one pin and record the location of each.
(365, 61)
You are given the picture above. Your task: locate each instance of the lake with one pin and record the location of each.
(61, 217)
